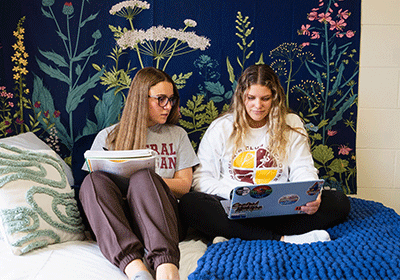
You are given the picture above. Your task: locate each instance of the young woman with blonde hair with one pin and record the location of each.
(137, 218)
(258, 141)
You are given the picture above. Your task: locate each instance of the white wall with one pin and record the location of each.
(378, 123)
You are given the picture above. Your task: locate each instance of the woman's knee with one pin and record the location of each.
(97, 181)
(337, 202)
(142, 177)
(191, 199)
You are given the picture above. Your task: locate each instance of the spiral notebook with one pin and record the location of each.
(271, 199)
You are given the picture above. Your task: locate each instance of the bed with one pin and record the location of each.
(365, 246)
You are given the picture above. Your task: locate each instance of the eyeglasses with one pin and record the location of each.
(163, 100)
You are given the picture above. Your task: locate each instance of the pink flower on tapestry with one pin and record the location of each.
(313, 15)
(339, 35)
(315, 35)
(6, 122)
(331, 132)
(37, 104)
(339, 25)
(19, 121)
(56, 113)
(46, 114)
(305, 44)
(344, 14)
(304, 30)
(324, 17)
(9, 131)
(349, 33)
(344, 150)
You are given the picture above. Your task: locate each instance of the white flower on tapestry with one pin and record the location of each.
(163, 42)
(190, 23)
(159, 42)
(128, 9)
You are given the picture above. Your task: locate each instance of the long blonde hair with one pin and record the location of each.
(131, 132)
(276, 120)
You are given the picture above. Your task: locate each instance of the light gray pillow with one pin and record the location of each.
(37, 204)
(29, 140)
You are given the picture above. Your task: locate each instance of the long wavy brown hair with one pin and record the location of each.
(276, 120)
(131, 132)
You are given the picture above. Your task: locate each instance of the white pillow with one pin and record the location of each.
(37, 204)
(29, 140)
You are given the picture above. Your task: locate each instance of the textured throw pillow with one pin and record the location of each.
(37, 205)
(29, 140)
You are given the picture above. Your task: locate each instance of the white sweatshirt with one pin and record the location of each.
(219, 172)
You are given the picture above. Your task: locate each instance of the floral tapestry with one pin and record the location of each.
(65, 67)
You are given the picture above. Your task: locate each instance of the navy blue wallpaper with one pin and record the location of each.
(65, 66)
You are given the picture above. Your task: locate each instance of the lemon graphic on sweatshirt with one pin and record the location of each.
(254, 166)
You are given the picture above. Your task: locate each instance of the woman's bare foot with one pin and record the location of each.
(167, 271)
(134, 267)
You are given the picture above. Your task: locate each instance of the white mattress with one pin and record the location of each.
(80, 260)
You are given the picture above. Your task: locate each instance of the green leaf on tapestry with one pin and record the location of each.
(63, 37)
(88, 52)
(228, 94)
(212, 112)
(225, 108)
(309, 69)
(316, 64)
(75, 95)
(186, 112)
(333, 52)
(322, 153)
(89, 128)
(215, 88)
(117, 31)
(339, 114)
(338, 165)
(91, 17)
(230, 70)
(249, 54)
(53, 72)
(42, 94)
(46, 14)
(108, 109)
(56, 58)
(96, 67)
(180, 80)
(238, 61)
(186, 124)
(194, 144)
(323, 123)
(78, 70)
(261, 60)
(199, 113)
(316, 165)
(338, 79)
(217, 99)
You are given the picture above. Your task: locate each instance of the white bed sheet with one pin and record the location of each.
(81, 260)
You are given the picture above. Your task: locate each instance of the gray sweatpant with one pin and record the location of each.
(129, 216)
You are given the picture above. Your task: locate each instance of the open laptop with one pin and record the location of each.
(271, 199)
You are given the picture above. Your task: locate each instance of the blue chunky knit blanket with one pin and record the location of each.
(366, 246)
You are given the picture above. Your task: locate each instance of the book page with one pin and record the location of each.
(125, 165)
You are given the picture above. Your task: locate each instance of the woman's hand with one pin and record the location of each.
(313, 206)
(181, 182)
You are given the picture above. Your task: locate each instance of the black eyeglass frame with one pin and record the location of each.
(163, 100)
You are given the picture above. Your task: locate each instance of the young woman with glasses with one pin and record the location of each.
(138, 218)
